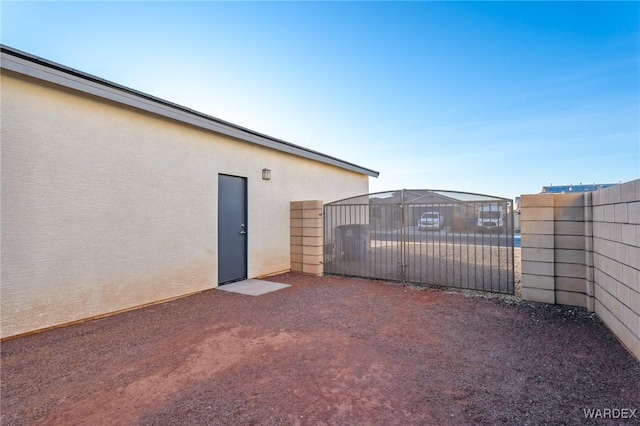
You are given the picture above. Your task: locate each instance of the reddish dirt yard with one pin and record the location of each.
(324, 351)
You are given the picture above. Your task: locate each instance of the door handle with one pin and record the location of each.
(243, 230)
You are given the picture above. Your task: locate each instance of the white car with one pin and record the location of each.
(491, 218)
(431, 221)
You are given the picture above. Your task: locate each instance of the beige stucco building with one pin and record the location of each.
(110, 196)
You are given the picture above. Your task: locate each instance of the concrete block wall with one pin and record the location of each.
(584, 250)
(570, 244)
(553, 250)
(616, 260)
(306, 237)
(538, 248)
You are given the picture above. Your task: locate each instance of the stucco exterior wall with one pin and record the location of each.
(105, 207)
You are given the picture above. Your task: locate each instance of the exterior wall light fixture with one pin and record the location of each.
(266, 174)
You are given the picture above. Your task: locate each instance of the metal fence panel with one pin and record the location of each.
(455, 243)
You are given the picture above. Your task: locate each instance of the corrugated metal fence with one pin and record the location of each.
(445, 238)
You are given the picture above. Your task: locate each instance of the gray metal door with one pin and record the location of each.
(232, 229)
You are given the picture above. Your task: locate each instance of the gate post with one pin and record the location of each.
(306, 237)
(557, 249)
(538, 249)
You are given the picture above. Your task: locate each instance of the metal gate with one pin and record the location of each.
(433, 237)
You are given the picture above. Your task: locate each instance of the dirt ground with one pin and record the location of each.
(325, 351)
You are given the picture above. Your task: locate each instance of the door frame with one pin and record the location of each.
(245, 221)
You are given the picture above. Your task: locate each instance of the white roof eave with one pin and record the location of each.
(32, 66)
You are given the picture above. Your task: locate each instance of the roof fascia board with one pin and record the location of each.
(42, 71)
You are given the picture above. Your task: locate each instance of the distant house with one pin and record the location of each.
(458, 209)
(568, 189)
(114, 199)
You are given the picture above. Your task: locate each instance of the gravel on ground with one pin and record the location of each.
(325, 351)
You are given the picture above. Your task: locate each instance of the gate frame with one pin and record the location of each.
(475, 200)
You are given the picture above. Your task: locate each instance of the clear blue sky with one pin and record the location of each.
(497, 98)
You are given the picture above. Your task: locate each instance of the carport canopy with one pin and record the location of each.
(419, 196)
